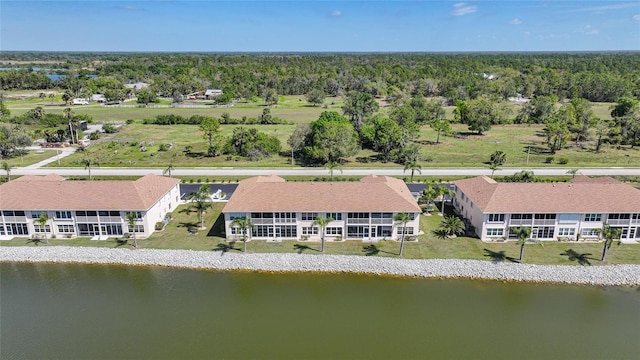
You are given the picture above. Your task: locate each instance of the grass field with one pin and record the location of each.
(428, 246)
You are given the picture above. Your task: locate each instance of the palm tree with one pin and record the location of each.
(412, 164)
(168, 169)
(452, 226)
(88, 164)
(573, 172)
(333, 165)
(493, 167)
(244, 224)
(131, 220)
(321, 223)
(445, 191)
(429, 194)
(202, 201)
(42, 220)
(70, 116)
(609, 234)
(402, 218)
(7, 168)
(524, 237)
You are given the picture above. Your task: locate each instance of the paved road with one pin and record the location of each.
(212, 172)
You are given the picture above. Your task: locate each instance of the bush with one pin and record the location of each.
(548, 159)
(159, 226)
(563, 161)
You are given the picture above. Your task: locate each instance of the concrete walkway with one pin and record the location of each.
(62, 152)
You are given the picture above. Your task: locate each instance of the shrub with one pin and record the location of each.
(159, 226)
(563, 161)
(548, 159)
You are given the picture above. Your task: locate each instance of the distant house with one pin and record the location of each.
(136, 85)
(98, 98)
(553, 211)
(85, 208)
(212, 93)
(287, 210)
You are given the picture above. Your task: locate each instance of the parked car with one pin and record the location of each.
(80, 102)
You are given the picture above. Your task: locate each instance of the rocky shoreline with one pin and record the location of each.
(610, 275)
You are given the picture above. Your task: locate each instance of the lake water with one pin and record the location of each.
(117, 312)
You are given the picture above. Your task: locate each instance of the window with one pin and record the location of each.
(264, 231)
(287, 231)
(63, 214)
(333, 231)
(566, 231)
(66, 229)
(309, 230)
(12, 213)
(592, 217)
(405, 230)
(495, 232)
(236, 215)
(309, 215)
(496, 217)
(285, 216)
(262, 215)
(545, 216)
(568, 218)
(619, 216)
(137, 213)
(16, 229)
(335, 216)
(521, 216)
(381, 215)
(358, 215)
(357, 231)
(543, 232)
(590, 232)
(86, 213)
(39, 229)
(136, 228)
(36, 214)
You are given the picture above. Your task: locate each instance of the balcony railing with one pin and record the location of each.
(357, 221)
(286, 221)
(518, 222)
(261, 221)
(381, 221)
(614, 222)
(544, 222)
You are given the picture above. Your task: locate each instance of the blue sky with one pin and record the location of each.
(294, 25)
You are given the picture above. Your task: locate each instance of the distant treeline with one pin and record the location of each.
(458, 76)
(171, 119)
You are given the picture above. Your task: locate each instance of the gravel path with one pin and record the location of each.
(628, 275)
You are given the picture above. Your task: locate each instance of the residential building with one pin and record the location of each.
(361, 210)
(85, 208)
(554, 211)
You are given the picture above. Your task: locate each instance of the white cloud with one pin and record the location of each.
(460, 9)
(589, 30)
(336, 13)
(515, 21)
(607, 7)
(636, 17)
(128, 7)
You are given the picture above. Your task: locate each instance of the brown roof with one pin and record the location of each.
(579, 197)
(597, 179)
(52, 192)
(371, 194)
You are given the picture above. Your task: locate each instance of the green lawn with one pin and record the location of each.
(428, 246)
(31, 157)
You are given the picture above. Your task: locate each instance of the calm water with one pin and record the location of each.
(116, 312)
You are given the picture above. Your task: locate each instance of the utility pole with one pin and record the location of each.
(528, 152)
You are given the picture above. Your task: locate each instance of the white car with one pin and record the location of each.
(80, 102)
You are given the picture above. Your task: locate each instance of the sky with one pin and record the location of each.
(319, 26)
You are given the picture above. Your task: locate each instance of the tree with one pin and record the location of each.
(271, 97)
(315, 97)
(201, 200)
(402, 218)
(537, 111)
(584, 119)
(211, 127)
(498, 158)
(331, 166)
(12, 139)
(602, 128)
(88, 164)
(626, 115)
(609, 234)
(331, 138)
(524, 237)
(7, 169)
(451, 226)
(429, 194)
(168, 169)
(147, 96)
(358, 106)
(5, 113)
(412, 164)
(441, 126)
(444, 191)
(493, 168)
(573, 172)
(244, 225)
(523, 176)
(385, 136)
(321, 223)
(132, 217)
(42, 220)
(296, 140)
(70, 116)
(266, 118)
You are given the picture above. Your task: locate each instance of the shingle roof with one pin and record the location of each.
(577, 197)
(371, 194)
(52, 192)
